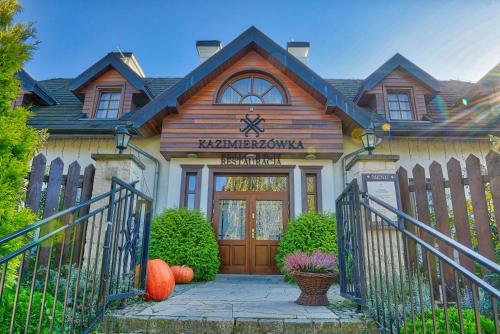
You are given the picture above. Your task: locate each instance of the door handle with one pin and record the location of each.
(253, 233)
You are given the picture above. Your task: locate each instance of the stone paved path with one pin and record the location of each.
(239, 302)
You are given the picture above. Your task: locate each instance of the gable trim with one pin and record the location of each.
(31, 85)
(111, 60)
(394, 63)
(252, 38)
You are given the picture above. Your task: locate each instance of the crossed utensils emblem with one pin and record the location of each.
(252, 125)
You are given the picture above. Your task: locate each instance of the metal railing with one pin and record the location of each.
(410, 277)
(60, 274)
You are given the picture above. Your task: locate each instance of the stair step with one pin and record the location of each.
(194, 325)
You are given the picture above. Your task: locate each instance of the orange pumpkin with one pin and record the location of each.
(182, 274)
(160, 281)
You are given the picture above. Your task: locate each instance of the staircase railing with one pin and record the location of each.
(410, 277)
(60, 274)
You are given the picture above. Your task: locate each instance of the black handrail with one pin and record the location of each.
(49, 219)
(407, 274)
(495, 268)
(67, 211)
(71, 263)
(458, 246)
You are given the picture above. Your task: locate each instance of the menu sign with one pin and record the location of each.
(384, 187)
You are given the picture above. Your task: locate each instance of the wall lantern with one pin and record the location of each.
(122, 141)
(369, 139)
(310, 156)
(122, 138)
(251, 156)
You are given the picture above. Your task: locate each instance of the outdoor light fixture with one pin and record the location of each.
(122, 138)
(310, 156)
(251, 156)
(192, 155)
(369, 139)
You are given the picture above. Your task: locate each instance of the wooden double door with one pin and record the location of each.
(249, 227)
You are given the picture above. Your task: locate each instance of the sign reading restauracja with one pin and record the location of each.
(239, 159)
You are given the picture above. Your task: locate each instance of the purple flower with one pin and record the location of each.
(323, 261)
(317, 262)
(297, 261)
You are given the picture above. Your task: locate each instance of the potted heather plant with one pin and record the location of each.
(314, 275)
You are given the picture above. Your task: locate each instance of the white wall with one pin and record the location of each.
(411, 151)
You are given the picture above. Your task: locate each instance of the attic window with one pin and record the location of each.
(399, 105)
(251, 89)
(108, 104)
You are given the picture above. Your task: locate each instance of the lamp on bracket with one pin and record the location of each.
(122, 141)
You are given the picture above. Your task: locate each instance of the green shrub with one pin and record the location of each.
(18, 141)
(22, 309)
(469, 321)
(309, 232)
(184, 237)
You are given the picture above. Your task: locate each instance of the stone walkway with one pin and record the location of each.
(237, 304)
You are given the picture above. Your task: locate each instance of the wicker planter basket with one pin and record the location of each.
(313, 287)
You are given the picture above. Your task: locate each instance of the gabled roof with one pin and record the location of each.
(67, 116)
(111, 60)
(397, 61)
(491, 81)
(488, 84)
(252, 38)
(31, 85)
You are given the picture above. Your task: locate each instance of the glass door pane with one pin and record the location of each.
(269, 220)
(242, 183)
(232, 219)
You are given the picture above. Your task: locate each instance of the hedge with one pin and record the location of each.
(184, 237)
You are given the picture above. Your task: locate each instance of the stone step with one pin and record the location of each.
(206, 325)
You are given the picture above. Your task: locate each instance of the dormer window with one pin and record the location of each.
(108, 103)
(399, 105)
(251, 89)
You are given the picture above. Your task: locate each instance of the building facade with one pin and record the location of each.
(252, 137)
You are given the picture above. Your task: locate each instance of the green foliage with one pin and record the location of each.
(184, 237)
(469, 321)
(309, 232)
(18, 141)
(22, 309)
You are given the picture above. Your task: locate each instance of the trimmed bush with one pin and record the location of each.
(307, 233)
(184, 237)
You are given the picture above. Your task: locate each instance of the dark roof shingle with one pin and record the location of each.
(67, 115)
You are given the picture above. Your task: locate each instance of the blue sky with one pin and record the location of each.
(349, 39)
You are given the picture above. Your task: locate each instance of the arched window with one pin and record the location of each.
(251, 89)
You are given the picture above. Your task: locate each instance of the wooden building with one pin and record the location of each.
(253, 137)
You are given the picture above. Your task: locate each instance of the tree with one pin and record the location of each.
(18, 141)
